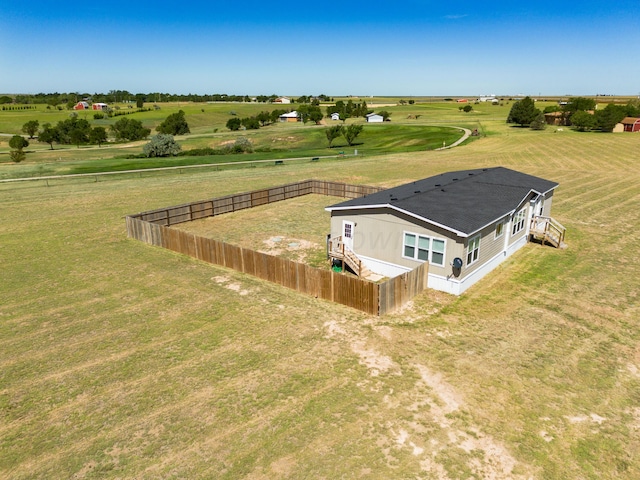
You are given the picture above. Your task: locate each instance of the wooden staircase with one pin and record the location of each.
(547, 230)
(337, 249)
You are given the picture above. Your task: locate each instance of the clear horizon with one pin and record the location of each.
(421, 49)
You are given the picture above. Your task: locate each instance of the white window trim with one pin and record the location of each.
(498, 235)
(430, 251)
(519, 218)
(469, 242)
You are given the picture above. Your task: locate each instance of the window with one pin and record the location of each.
(347, 230)
(437, 252)
(473, 250)
(518, 221)
(499, 229)
(409, 245)
(421, 247)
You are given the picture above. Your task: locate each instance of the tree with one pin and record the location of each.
(98, 135)
(234, 124)
(315, 114)
(538, 122)
(4, 99)
(174, 124)
(583, 121)
(65, 127)
(250, 123)
(333, 133)
(161, 145)
(523, 112)
(139, 102)
(18, 143)
(385, 115)
(129, 129)
(78, 136)
(467, 108)
(579, 104)
(31, 128)
(351, 132)
(264, 118)
(275, 114)
(608, 117)
(49, 134)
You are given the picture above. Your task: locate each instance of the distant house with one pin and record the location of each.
(554, 118)
(462, 100)
(289, 117)
(82, 106)
(487, 98)
(463, 223)
(282, 100)
(631, 124)
(335, 116)
(374, 118)
(100, 106)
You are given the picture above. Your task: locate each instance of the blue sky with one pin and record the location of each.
(409, 48)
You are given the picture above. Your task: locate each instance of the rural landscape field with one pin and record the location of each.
(121, 360)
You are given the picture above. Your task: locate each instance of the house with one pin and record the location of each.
(374, 118)
(630, 124)
(462, 100)
(555, 118)
(82, 106)
(289, 117)
(335, 116)
(282, 100)
(463, 223)
(487, 98)
(100, 106)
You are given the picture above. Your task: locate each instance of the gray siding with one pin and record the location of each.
(490, 246)
(379, 234)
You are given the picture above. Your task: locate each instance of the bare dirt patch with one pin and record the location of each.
(293, 248)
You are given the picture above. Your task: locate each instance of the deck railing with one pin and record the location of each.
(548, 230)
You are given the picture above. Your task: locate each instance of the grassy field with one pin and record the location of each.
(121, 360)
(207, 123)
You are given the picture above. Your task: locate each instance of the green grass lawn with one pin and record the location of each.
(121, 360)
(207, 123)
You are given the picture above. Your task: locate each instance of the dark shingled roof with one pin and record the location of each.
(463, 201)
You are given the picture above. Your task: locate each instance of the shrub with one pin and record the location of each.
(234, 124)
(98, 116)
(241, 145)
(161, 145)
(17, 156)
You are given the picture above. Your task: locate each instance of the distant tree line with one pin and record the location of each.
(78, 131)
(262, 119)
(349, 109)
(69, 99)
(579, 112)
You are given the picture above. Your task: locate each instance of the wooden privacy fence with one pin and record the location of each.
(153, 227)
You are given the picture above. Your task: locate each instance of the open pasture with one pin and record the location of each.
(120, 360)
(208, 130)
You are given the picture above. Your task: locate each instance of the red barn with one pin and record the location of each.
(81, 106)
(631, 124)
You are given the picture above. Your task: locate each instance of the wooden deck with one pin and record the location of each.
(338, 250)
(547, 230)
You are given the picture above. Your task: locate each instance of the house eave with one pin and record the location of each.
(406, 212)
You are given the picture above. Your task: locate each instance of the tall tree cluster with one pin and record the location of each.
(523, 112)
